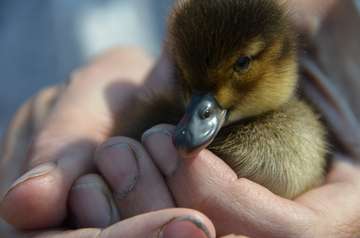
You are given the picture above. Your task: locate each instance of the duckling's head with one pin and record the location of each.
(236, 60)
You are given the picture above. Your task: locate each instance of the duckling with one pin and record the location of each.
(236, 64)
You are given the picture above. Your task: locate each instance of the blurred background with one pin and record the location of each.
(41, 42)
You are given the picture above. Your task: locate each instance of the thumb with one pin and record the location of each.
(172, 223)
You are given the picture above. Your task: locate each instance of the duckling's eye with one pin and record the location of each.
(242, 64)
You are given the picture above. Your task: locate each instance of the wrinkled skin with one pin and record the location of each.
(106, 200)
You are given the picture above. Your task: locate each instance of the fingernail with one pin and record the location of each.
(185, 227)
(118, 164)
(35, 172)
(159, 143)
(153, 131)
(85, 213)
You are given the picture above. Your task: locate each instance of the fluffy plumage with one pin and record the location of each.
(270, 136)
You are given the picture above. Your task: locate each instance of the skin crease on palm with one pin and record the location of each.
(205, 183)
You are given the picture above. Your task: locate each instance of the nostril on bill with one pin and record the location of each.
(183, 132)
(206, 113)
(182, 138)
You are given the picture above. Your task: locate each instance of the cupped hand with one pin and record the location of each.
(58, 190)
(82, 118)
(66, 125)
(241, 207)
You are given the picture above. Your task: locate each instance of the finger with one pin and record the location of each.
(308, 15)
(342, 190)
(137, 185)
(63, 149)
(172, 223)
(343, 178)
(43, 190)
(235, 205)
(91, 203)
(14, 145)
(343, 170)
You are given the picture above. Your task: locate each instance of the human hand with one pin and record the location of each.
(62, 158)
(242, 207)
(60, 131)
(309, 15)
(62, 150)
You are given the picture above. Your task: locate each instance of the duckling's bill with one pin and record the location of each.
(201, 123)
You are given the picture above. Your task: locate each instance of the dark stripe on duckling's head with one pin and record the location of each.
(203, 33)
(211, 40)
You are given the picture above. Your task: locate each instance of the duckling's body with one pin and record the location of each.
(236, 66)
(283, 150)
